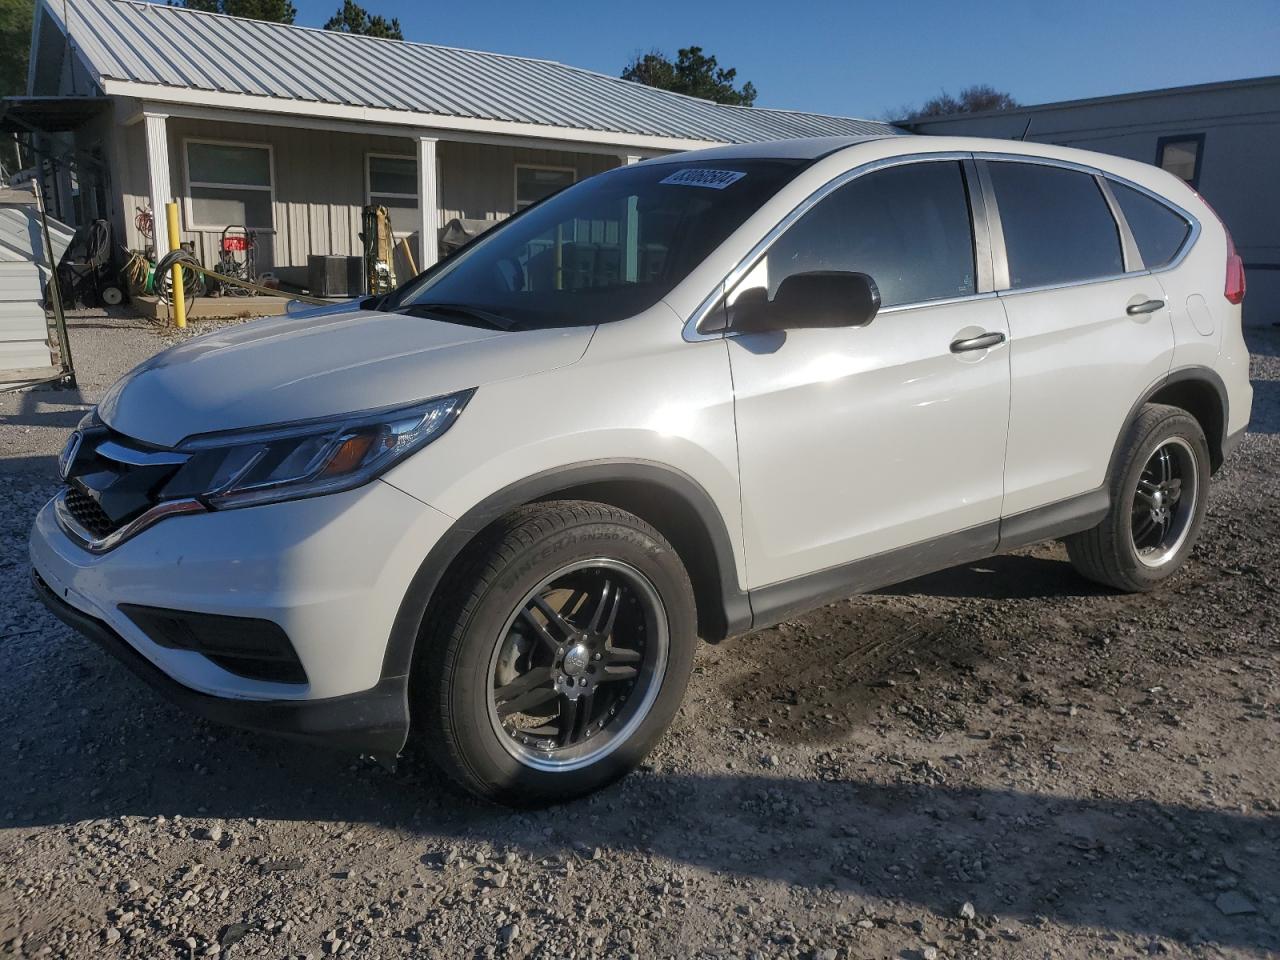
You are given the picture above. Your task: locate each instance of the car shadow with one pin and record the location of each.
(1263, 340)
(44, 468)
(1002, 577)
(52, 407)
(1265, 417)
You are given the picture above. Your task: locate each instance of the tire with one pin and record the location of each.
(1130, 549)
(587, 722)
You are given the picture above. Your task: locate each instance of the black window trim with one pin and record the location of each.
(1197, 139)
(983, 265)
(993, 271)
(1103, 177)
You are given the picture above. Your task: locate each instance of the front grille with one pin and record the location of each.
(88, 514)
(111, 479)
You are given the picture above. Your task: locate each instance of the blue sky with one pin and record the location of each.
(862, 59)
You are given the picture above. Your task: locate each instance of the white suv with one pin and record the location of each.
(689, 397)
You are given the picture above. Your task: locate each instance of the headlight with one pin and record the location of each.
(242, 468)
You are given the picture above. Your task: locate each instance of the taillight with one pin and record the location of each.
(1234, 289)
(1235, 274)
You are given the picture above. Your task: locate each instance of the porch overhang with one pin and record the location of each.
(155, 105)
(48, 114)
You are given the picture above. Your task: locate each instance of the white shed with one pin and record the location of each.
(24, 267)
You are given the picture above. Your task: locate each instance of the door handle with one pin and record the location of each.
(981, 342)
(1146, 306)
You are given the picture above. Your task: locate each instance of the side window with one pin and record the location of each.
(907, 227)
(1057, 225)
(1160, 232)
(392, 182)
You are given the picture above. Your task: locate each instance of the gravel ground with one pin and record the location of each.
(995, 761)
(104, 344)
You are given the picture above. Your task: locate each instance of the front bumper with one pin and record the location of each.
(374, 722)
(331, 571)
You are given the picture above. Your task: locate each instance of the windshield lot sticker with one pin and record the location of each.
(698, 177)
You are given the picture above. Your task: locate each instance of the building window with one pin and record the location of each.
(392, 182)
(1181, 156)
(228, 184)
(533, 182)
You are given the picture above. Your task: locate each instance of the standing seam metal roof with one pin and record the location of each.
(174, 47)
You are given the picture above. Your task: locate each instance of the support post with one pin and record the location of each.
(158, 177)
(428, 204)
(631, 230)
(67, 365)
(179, 299)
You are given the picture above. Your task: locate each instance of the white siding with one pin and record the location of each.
(23, 331)
(319, 182)
(23, 334)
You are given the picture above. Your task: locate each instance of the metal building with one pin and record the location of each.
(1222, 138)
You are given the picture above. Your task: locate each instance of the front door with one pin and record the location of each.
(858, 442)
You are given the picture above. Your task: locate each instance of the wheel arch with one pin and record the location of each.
(1200, 392)
(672, 502)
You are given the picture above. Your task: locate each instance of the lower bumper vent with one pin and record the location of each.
(246, 646)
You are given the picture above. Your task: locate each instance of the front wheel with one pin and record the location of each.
(559, 655)
(1158, 491)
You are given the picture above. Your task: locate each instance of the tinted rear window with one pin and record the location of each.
(1159, 231)
(1057, 225)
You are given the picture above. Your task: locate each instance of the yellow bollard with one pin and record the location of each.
(175, 241)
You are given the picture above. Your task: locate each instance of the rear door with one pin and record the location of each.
(1088, 327)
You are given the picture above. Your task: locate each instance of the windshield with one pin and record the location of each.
(602, 250)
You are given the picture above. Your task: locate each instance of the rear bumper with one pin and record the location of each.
(373, 722)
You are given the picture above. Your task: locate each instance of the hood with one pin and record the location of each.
(304, 367)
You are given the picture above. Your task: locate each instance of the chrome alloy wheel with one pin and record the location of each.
(1164, 502)
(578, 665)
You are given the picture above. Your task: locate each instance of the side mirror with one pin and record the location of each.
(823, 298)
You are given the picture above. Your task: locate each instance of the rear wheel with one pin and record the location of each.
(560, 654)
(1157, 504)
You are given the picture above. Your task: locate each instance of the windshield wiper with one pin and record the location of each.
(494, 320)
